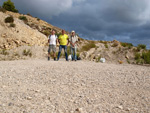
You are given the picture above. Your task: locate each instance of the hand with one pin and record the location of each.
(73, 45)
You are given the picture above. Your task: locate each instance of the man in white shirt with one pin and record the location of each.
(52, 40)
(73, 45)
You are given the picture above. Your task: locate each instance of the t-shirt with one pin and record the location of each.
(73, 39)
(63, 39)
(52, 39)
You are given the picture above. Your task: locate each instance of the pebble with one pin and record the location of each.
(10, 104)
(120, 107)
(29, 98)
(79, 110)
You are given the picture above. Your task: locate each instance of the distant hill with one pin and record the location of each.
(26, 37)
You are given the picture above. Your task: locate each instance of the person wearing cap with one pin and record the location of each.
(73, 44)
(63, 40)
(52, 40)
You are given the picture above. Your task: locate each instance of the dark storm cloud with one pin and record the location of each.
(124, 20)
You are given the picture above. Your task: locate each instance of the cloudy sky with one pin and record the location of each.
(123, 20)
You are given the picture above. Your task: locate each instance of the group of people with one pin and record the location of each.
(63, 41)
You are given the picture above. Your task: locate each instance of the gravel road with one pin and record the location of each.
(41, 86)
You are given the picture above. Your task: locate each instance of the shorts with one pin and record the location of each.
(52, 47)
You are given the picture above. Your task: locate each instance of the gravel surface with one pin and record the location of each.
(41, 86)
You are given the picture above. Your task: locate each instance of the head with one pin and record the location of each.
(53, 32)
(63, 32)
(73, 33)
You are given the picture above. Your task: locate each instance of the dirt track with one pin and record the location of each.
(39, 86)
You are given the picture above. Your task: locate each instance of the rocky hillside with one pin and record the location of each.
(26, 37)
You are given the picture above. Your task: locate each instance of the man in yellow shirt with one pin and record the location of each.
(63, 40)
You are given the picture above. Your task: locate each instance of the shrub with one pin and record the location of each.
(23, 18)
(2, 9)
(16, 54)
(141, 46)
(29, 14)
(78, 55)
(38, 19)
(58, 34)
(123, 44)
(137, 56)
(98, 59)
(104, 42)
(137, 61)
(9, 19)
(88, 46)
(128, 61)
(8, 5)
(146, 57)
(27, 52)
(106, 46)
(12, 25)
(129, 45)
(4, 52)
(46, 32)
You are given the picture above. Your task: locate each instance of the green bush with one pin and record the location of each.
(4, 52)
(123, 44)
(128, 61)
(129, 45)
(141, 46)
(58, 34)
(104, 42)
(78, 55)
(146, 57)
(38, 19)
(138, 49)
(24, 18)
(98, 59)
(27, 52)
(12, 25)
(9, 19)
(9, 6)
(137, 56)
(29, 14)
(106, 46)
(46, 32)
(88, 46)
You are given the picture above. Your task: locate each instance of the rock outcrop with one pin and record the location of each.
(21, 34)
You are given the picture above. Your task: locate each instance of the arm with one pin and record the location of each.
(68, 40)
(48, 39)
(57, 41)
